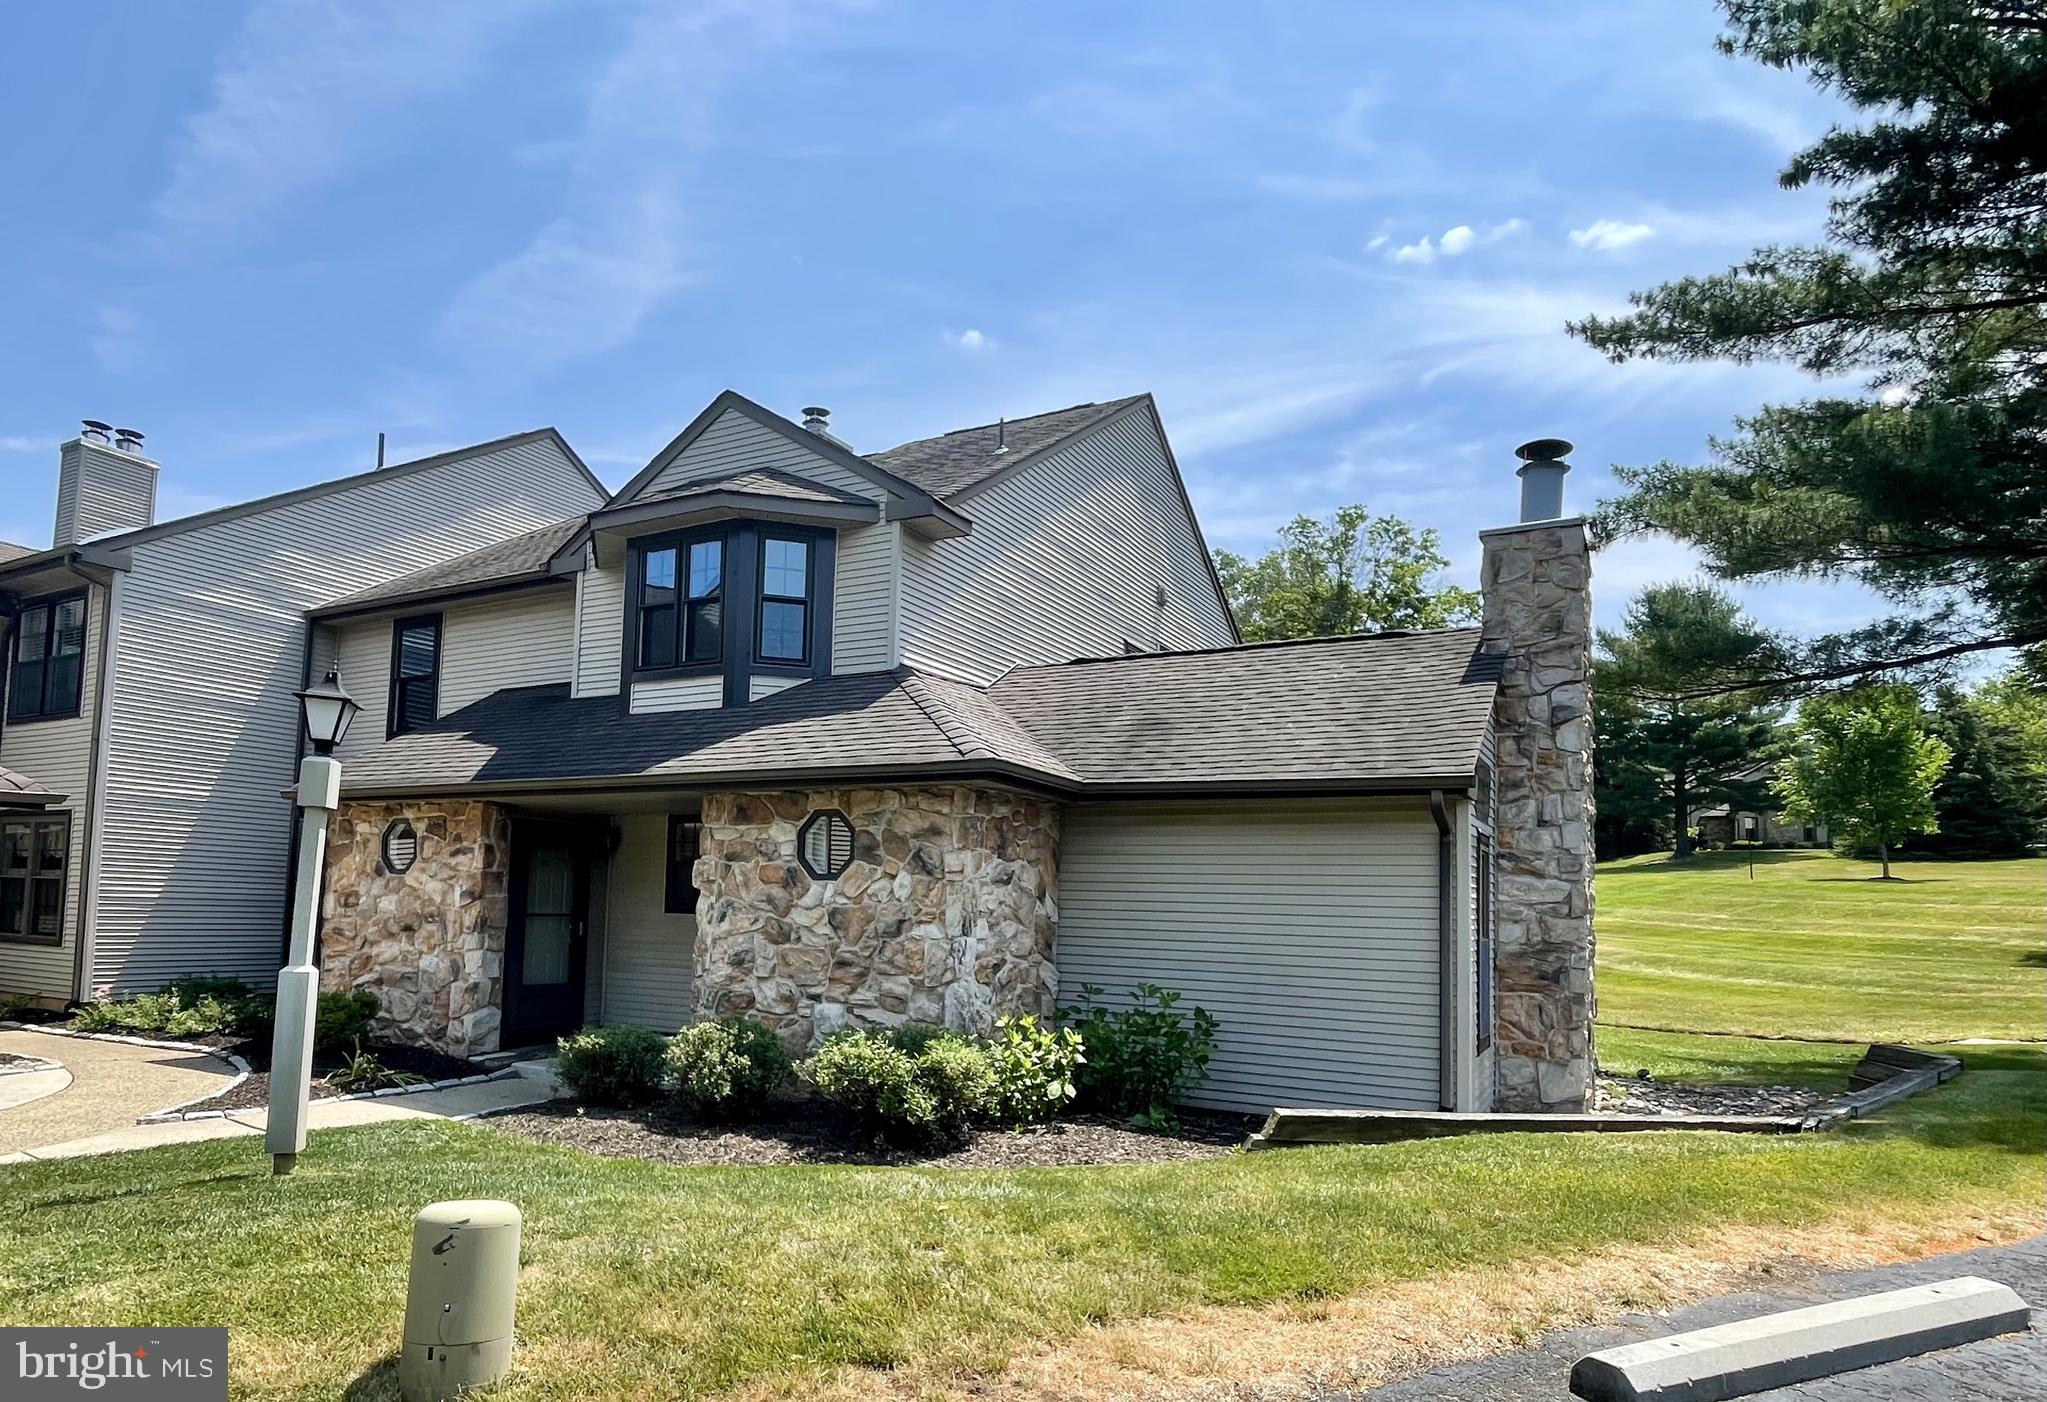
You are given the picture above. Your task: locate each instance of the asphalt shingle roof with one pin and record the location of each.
(1375, 711)
(760, 482)
(17, 789)
(10, 551)
(508, 559)
(953, 462)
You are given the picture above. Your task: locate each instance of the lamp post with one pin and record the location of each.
(327, 710)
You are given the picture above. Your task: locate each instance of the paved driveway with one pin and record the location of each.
(2010, 1369)
(111, 1083)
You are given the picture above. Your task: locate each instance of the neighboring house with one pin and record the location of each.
(1724, 825)
(950, 731)
(146, 715)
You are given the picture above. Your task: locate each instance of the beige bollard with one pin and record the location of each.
(459, 1298)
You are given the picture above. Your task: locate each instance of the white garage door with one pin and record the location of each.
(1309, 930)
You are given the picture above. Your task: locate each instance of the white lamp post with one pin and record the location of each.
(327, 709)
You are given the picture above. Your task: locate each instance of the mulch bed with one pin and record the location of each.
(803, 1132)
(254, 1092)
(1636, 1095)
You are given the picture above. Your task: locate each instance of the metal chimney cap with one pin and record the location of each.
(816, 411)
(129, 438)
(1544, 449)
(97, 429)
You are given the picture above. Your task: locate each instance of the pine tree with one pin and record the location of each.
(1932, 286)
(1658, 738)
(1989, 800)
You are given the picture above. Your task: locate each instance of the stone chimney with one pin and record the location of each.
(103, 484)
(1537, 584)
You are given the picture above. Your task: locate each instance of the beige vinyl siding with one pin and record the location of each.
(737, 443)
(600, 631)
(758, 687)
(191, 874)
(648, 953)
(678, 694)
(523, 639)
(864, 595)
(1307, 929)
(1065, 560)
(58, 755)
(101, 490)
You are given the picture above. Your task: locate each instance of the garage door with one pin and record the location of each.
(1308, 930)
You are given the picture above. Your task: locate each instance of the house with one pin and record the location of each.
(1724, 825)
(950, 731)
(146, 712)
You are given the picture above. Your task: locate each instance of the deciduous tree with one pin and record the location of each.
(1864, 764)
(1352, 573)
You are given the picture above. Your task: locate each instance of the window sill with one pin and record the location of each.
(782, 667)
(693, 669)
(38, 720)
(39, 941)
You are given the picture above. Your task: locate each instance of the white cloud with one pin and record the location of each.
(969, 340)
(1377, 241)
(619, 247)
(1422, 252)
(1609, 235)
(1456, 240)
(19, 443)
(308, 91)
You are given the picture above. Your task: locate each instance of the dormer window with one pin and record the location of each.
(682, 624)
(785, 599)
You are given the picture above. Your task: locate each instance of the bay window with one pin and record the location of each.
(738, 599)
(785, 599)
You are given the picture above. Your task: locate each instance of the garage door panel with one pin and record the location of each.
(1307, 930)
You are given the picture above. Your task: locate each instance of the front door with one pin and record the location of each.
(544, 954)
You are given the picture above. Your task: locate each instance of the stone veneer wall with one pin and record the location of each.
(429, 943)
(1536, 581)
(947, 914)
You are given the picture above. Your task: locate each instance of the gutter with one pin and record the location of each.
(1446, 953)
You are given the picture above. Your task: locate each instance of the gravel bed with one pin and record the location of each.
(1636, 1095)
(806, 1134)
(254, 1091)
(9, 1061)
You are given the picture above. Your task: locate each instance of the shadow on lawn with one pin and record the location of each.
(1708, 861)
(376, 1383)
(2034, 958)
(147, 1190)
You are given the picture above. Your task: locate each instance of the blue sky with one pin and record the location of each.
(1338, 241)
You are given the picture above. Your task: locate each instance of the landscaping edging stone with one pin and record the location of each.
(35, 1064)
(1887, 1074)
(242, 1070)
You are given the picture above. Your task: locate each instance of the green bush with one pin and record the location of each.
(364, 1072)
(340, 1020)
(201, 1016)
(611, 1065)
(913, 1037)
(1141, 1060)
(726, 1070)
(1035, 1069)
(195, 987)
(929, 1096)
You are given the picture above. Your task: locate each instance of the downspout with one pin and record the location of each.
(87, 943)
(1446, 952)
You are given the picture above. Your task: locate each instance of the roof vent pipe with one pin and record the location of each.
(97, 431)
(129, 440)
(1002, 435)
(816, 419)
(1542, 478)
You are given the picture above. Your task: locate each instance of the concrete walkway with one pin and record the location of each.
(111, 1083)
(456, 1103)
(2008, 1369)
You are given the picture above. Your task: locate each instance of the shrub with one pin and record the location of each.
(193, 989)
(727, 1069)
(97, 1016)
(929, 1096)
(913, 1037)
(341, 1019)
(1141, 1060)
(200, 1016)
(364, 1072)
(611, 1065)
(1034, 1070)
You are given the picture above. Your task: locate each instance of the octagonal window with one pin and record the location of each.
(824, 844)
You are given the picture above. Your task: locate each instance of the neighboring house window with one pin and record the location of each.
(685, 843)
(785, 599)
(682, 620)
(33, 853)
(49, 660)
(415, 673)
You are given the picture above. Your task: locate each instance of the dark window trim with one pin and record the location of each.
(1485, 995)
(15, 632)
(829, 872)
(392, 713)
(808, 540)
(63, 879)
(637, 549)
(680, 893)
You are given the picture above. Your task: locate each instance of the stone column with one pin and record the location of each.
(946, 915)
(1536, 581)
(428, 941)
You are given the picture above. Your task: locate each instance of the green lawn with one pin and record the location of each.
(644, 1280)
(1811, 947)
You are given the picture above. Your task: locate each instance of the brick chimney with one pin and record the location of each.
(1537, 584)
(103, 484)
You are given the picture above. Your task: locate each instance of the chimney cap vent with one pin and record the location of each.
(128, 440)
(98, 430)
(815, 416)
(1544, 450)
